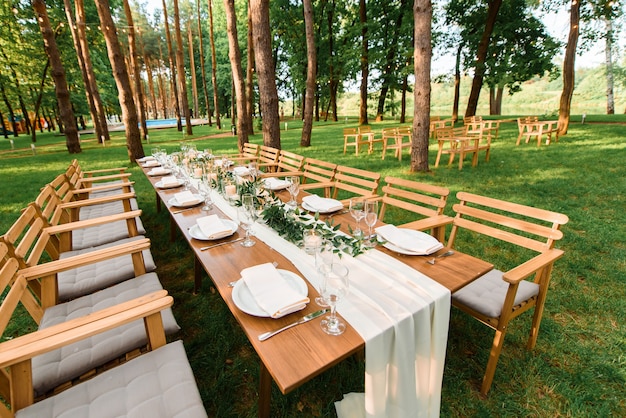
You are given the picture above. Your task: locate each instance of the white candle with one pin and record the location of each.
(197, 172)
(230, 190)
(311, 241)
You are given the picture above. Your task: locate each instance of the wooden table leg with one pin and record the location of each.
(172, 229)
(197, 275)
(158, 202)
(265, 392)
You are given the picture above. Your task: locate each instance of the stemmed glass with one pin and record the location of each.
(246, 214)
(293, 189)
(205, 190)
(323, 260)
(335, 289)
(356, 211)
(371, 216)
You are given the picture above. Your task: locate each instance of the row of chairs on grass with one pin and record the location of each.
(498, 296)
(77, 261)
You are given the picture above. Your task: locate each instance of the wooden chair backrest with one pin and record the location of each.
(472, 119)
(525, 226)
(389, 132)
(356, 181)
(365, 129)
(250, 150)
(350, 132)
(318, 170)
(421, 198)
(26, 239)
(268, 155)
(289, 161)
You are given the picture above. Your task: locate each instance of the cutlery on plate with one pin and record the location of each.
(446, 254)
(305, 318)
(221, 243)
(183, 210)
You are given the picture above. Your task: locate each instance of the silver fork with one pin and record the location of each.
(446, 254)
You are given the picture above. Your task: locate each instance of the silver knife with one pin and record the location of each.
(302, 320)
(222, 243)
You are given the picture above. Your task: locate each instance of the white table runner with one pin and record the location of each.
(400, 313)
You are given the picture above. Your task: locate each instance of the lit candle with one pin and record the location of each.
(230, 190)
(312, 241)
(197, 172)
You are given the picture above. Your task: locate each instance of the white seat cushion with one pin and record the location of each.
(156, 384)
(105, 209)
(486, 294)
(93, 277)
(59, 366)
(103, 234)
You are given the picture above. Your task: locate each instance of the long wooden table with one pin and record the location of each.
(299, 354)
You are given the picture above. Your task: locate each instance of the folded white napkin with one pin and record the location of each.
(271, 290)
(151, 163)
(168, 181)
(274, 183)
(146, 158)
(322, 204)
(185, 198)
(213, 227)
(409, 239)
(157, 171)
(241, 171)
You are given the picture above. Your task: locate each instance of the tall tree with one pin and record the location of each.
(214, 67)
(205, 89)
(266, 73)
(422, 54)
(173, 70)
(234, 54)
(307, 126)
(568, 68)
(180, 70)
(250, 75)
(58, 74)
(134, 65)
(122, 80)
(192, 66)
(364, 62)
(481, 56)
(608, 63)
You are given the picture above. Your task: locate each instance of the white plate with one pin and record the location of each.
(160, 185)
(282, 186)
(151, 163)
(312, 209)
(196, 232)
(174, 202)
(404, 251)
(245, 301)
(162, 173)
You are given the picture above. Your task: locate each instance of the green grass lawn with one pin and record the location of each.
(579, 365)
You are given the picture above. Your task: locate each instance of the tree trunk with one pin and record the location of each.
(213, 68)
(134, 65)
(422, 54)
(608, 61)
(499, 95)
(307, 127)
(405, 87)
(250, 76)
(40, 96)
(364, 63)
(173, 71)
(180, 69)
(457, 84)
(205, 88)
(58, 74)
(147, 61)
(568, 69)
(492, 100)
(192, 64)
(162, 91)
(234, 54)
(481, 57)
(122, 80)
(333, 83)
(9, 108)
(266, 74)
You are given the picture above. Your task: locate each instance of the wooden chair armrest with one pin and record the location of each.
(56, 266)
(103, 187)
(120, 170)
(97, 200)
(71, 226)
(428, 223)
(96, 179)
(42, 341)
(519, 273)
(282, 174)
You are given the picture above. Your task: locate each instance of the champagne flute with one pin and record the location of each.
(335, 289)
(293, 189)
(356, 211)
(323, 259)
(246, 214)
(205, 190)
(371, 216)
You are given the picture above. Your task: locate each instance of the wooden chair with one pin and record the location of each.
(368, 136)
(437, 123)
(531, 127)
(99, 181)
(268, 157)
(393, 139)
(21, 358)
(288, 164)
(354, 181)
(250, 152)
(352, 138)
(498, 297)
(484, 131)
(318, 174)
(423, 199)
(453, 141)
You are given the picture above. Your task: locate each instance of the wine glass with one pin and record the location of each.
(323, 259)
(246, 214)
(293, 189)
(205, 190)
(335, 289)
(356, 211)
(371, 216)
